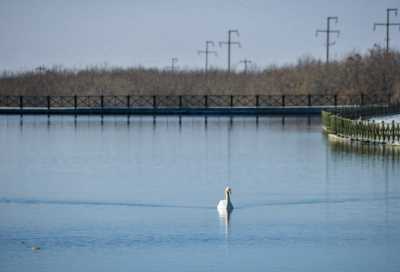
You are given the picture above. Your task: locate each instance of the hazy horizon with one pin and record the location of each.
(149, 33)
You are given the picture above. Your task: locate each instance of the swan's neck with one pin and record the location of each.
(228, 197)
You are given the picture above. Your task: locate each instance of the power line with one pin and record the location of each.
(246, 62)
(207, 52)
(328, 32)
(388, 25)
(229, 43)
(173, 61)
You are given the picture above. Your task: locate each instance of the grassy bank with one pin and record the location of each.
(374, 72)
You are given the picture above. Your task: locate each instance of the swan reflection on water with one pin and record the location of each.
(224, 220)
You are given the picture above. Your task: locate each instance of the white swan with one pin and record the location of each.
(225, 205)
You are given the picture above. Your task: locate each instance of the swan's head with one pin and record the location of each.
(228, 190)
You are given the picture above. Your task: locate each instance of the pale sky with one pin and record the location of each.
(79, 33)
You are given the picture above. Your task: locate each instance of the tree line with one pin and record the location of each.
(376, 71)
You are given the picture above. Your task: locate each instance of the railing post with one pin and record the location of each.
(362, 99)
(128, 101)
(398, 132)
(75, 102)
(48, 102)
(283, 100)
(257, 101)
(231, 102)
(206, 101)
(392, 128)
(180, 101)
(373, 131)
(309, 100)
(335, 124)
(335, 100)
(21, 102)
(389, 98)
(154, 102)
(102, 101)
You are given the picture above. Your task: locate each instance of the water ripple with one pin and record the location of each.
(319, 201)
(97, 203)
(315, 201)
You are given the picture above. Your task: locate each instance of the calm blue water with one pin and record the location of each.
(141, 196)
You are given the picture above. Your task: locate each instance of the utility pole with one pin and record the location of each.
(229, 43)
(328, 32)
(173, 61)
(207, 52)
(246, 62)
(388, 24)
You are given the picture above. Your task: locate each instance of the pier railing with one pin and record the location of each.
(356, 124)
(190, 101)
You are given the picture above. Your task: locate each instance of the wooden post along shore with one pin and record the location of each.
(354, 124)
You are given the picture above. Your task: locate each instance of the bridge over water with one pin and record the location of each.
(185, 104)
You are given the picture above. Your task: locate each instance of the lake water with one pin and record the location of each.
(112, 195)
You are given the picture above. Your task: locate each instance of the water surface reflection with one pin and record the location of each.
(111, 193)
